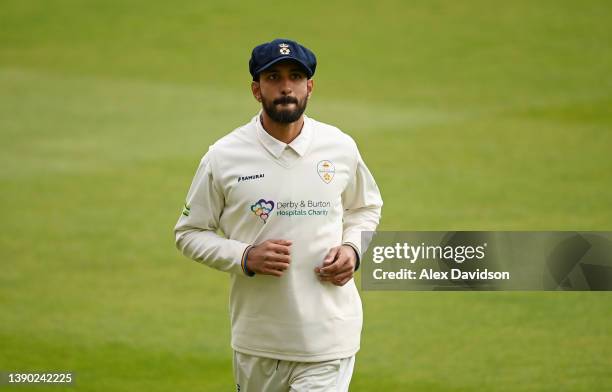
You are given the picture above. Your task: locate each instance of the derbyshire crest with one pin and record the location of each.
(284, 49)
(326, 171)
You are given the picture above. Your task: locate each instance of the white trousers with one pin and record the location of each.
(258, 374)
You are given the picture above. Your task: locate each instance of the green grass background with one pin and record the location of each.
(471, 115)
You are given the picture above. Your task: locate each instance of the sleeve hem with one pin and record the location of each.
(358, 259)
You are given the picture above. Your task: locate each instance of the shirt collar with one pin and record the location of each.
(276, 147)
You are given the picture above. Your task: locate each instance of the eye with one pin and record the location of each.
(272, 76)
(297, 76)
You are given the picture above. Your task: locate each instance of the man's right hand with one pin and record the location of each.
(271, 257)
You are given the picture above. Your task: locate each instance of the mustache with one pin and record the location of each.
(284, 100)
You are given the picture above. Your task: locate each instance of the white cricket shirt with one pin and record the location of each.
(315, 191)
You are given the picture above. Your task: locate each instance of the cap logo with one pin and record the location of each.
(284, 49)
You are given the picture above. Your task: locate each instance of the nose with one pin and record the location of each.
(286, 87)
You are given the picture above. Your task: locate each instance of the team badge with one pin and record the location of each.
(326, 171)
(262, 208)
(284, 49)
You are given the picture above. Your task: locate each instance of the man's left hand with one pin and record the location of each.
(338, 266)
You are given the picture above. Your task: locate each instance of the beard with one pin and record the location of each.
(284, 116)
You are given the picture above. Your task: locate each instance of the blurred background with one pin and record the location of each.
(471, 115)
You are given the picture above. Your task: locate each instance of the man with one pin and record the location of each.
(291, 196)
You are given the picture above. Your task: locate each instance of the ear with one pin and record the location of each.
(309, 87)
(256, 90)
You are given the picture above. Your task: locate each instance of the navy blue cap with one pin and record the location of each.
(270, 53)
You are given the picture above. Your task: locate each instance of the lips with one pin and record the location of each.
(285, 101)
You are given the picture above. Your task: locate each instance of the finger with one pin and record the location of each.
(340, 265)
(279, 248)
(347, 267)
(335, 280)
(331, 255)
(276, 266)
(271, 256)
(336, 277)
(326, 278)
(335, 267)
(282, 242)
(273, 272)
(338, 280)
(342, 282)
(322, 276)
(343, 276)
